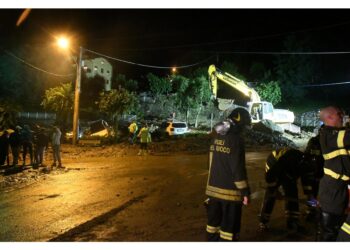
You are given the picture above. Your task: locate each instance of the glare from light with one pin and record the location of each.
(173, 69)
(63, 42)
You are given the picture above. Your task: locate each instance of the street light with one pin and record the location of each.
(64, 44)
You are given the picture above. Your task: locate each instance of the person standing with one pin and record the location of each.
(56, 147)
(4, 148)
(27, 144)
(283, 168)
(15, 144)
(145, 138)
(227, 186)
(132, 132)
(41, 143)
(333, 189)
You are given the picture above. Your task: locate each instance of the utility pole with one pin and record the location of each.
(76, 98)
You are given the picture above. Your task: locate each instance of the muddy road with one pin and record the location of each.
(131, 198)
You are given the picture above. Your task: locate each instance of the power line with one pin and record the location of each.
(35, 67)
(324, 84)
(150, 66)
(281, 52)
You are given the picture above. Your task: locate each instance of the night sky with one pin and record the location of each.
(168, 37)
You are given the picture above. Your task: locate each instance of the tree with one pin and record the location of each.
(270, 92)
(60, 99)
(294, 70)
(8, 114)
(158, 85)
(115, 103)
(129, 84)
(232, 69)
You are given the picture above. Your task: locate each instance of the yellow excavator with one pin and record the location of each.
(230, 92)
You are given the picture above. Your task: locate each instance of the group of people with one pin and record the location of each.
(324, 170)
(32, 144)
(143, 134)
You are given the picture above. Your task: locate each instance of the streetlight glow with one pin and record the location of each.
(63, 42)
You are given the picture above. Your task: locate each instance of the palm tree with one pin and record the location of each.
(60, 99)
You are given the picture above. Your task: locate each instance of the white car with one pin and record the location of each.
(176, 128)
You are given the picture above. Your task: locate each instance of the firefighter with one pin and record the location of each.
(227, 186)
(282, 169)
(314, 159)
(333, 192)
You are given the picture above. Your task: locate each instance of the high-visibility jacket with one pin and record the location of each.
(145, 135)
(133, 127)
(335, 146)
(227, 179)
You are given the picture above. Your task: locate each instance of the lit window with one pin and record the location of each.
(102, 62)
(95, 68)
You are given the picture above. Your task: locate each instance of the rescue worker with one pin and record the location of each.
(41, 142)
(4, 148)
(227, 186)
(15, 143)
(314, 159)
(283, 168)
(27, 144)
(333, 192)
(132, 132)
(145, 138)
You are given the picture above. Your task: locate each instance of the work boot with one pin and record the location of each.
(53, 164)
(60, 165)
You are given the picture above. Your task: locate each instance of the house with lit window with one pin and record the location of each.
(99, 66)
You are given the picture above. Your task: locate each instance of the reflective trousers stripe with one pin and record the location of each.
(226, 235)
(212, 230)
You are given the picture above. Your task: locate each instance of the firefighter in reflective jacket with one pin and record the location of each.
(333, 193)
(227, 185)
(283, 168)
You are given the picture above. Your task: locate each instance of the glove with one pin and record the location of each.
(312, 202)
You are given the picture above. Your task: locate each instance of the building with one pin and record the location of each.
(99, 66)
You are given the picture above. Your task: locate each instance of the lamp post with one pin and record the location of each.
(63, 43)
(76, 98)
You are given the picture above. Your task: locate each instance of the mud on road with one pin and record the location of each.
(111, 194)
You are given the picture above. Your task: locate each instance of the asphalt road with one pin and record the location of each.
(131, 198)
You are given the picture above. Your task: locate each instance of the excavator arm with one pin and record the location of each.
(246, 92)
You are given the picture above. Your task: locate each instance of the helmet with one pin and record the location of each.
(240, 117)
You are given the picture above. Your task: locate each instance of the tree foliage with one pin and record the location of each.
(159, 85)
(60, 99)
(117, 102)
(129, 84)
(8, 114)
(294, 70)
(270, 92)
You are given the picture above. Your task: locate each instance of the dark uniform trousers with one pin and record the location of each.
(224, 220)
(291, 200)
(283, 169)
